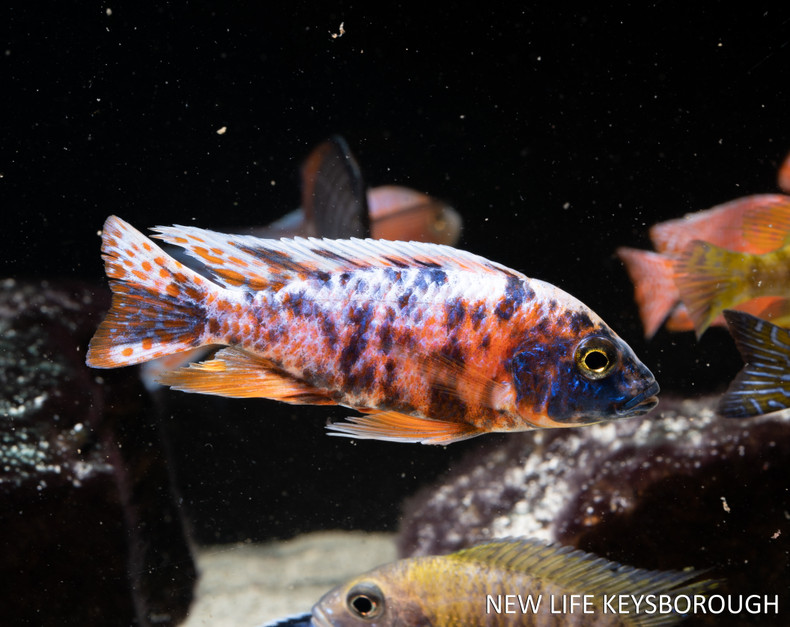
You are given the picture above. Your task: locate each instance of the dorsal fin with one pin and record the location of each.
(253, 263)
(333, 191)
(576, 570)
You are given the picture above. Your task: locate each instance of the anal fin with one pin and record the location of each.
(236, 373)
(392, 426)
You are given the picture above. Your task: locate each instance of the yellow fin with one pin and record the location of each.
(711, 279)
(586, 573)
(392, 426)
(239, 374)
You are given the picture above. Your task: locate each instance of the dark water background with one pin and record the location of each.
(558, 135)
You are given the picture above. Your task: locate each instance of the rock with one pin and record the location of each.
(90, 532)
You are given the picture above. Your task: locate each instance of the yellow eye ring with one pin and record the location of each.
(365, 600)
(596, 357)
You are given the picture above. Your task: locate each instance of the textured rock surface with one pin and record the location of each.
(681, 489)
(89, 531)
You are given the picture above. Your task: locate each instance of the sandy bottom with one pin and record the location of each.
(250, 584)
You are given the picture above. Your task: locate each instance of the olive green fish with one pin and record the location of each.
(763, 385)
(711, 279)
(469, 588)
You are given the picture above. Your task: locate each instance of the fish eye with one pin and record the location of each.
(596, 357)
(365, 600)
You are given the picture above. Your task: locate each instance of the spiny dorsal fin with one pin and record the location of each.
(253, 263)
(579, 571)
(766, 227)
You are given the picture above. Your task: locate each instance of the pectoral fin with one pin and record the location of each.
(239, 374)
(393, 426)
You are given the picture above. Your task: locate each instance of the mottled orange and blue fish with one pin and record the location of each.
(336, 204)
(654, 273)
(431, 343)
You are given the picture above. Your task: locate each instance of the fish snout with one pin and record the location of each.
(642, 403)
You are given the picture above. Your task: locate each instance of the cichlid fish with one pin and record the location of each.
(654, 273)
(336, 204)
(433, 344)
(763, 385)
(453, 590)
(711, 279)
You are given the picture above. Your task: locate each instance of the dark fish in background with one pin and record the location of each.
(336, 204)
(432, 343)
(452, 590)
(763, 385)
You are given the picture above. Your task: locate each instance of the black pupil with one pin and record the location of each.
(362, 604)
(596, 360)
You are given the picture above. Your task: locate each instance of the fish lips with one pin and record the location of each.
(641, 403)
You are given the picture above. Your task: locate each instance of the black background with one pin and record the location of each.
(557, 133)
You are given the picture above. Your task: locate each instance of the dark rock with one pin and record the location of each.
(89, 531)
(683, 489)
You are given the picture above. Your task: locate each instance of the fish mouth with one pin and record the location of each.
(319, 618)
(641, 403)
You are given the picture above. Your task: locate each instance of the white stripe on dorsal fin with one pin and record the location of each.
(252, 263)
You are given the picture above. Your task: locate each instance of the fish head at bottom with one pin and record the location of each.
(383, 597)
(580, 374)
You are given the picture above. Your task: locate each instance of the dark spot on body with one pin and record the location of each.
(437, 277)
(404, 301)
(393, 276)
(577, 321)
(213, 326)
(455, 311)
(345, 277)
(514, 297)
(329, 330)
(322, 276)
(485, 342)
(477, 315)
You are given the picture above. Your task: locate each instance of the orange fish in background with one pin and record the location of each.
(431, 343)
(654, 273)
(784, 175)
(335, 204)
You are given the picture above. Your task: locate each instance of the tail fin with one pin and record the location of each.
(711, 279)
(653, 276)
(763, 385)
(156, 306)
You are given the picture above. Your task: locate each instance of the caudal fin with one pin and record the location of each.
(156, 307)
(653, 276)
(762, 386)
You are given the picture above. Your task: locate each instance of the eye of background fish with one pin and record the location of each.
(596, 357)
(365, 600)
